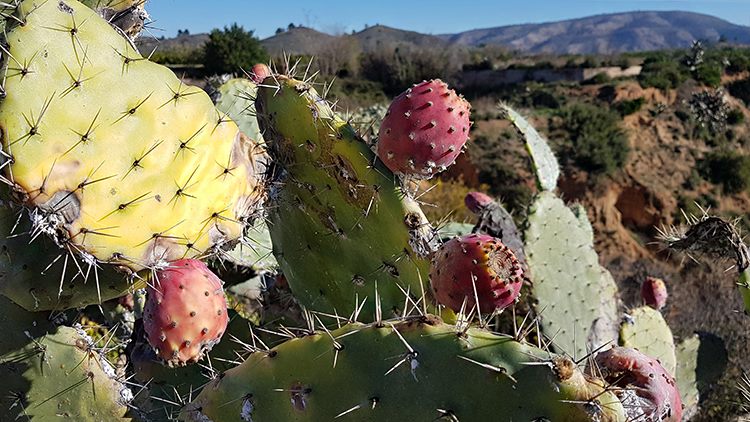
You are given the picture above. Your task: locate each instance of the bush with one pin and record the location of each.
(740, 90)
(607, 93)
(397, 68)
(543, 99)
(709, 73)
(596, 142)
(735, 116)
(729, 169)
(495, 169)
(662, 72)
(628, 107)
(231, 50)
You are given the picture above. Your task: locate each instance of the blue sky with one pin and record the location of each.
(435, 17)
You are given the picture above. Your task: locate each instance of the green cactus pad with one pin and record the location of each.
(453, 229)
(236, 98)
(167, 386)
(545, 163)
(50, 373)
(40, 276)
(416, 369)
(645, 329)
(341, 227)
(701, 361)
(135, 176)
(576, 296)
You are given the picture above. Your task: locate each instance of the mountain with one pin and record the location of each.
(611, 33)
(601, 34)
(375, 36)
(302, 40)
(299, 40)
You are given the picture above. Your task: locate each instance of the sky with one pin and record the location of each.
(431, 17)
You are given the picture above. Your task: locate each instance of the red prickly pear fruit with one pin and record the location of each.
(185, 313)
(477, 201)
(424, 130)
(259, 72)
(476, 260)
(646, 389)
(654, 293)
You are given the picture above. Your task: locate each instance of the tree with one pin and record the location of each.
(232, 49)
(279, 30)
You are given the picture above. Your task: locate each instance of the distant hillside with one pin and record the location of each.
(299, 40)
(375, 36)
(613, 33)
(309, 41)
(186, 42)
(602, 34)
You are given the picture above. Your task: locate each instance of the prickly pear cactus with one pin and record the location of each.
(50, 372)
(130, 16)
(40, 276)
(645, 329)
(577, 297)
(416, 369)
(134, 177)
(545, 163)
(342, 229)
(701, 361)
(236, 98)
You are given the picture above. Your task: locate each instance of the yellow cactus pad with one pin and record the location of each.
(122, 160)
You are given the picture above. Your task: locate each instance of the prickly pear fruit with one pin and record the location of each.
(259, 72)
(477, 201)
(185, 313)
(646, 388)
(654, 293)
(476, 266)
(424, 130)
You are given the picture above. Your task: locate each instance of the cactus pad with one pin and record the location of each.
(40, 276)
(417, 369)
(50, 372)
(545, 163)
(342, 229)
(134, 176)
(576, 296)
(644, 329)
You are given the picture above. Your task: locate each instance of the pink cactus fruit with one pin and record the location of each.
(259, 72)
(424, 130)
(654, 293)
(185, 313)
(476, 261)
(646, 389)
(477, 201)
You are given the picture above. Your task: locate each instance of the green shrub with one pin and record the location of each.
(628, 107)
(595, 140)
(607, 93)
(178, 55)
(709, 73)
(729, 169)
(496, 170)
(231, 50)
(740, 90)
(544, 99)
(735, 116)
(662, 72)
